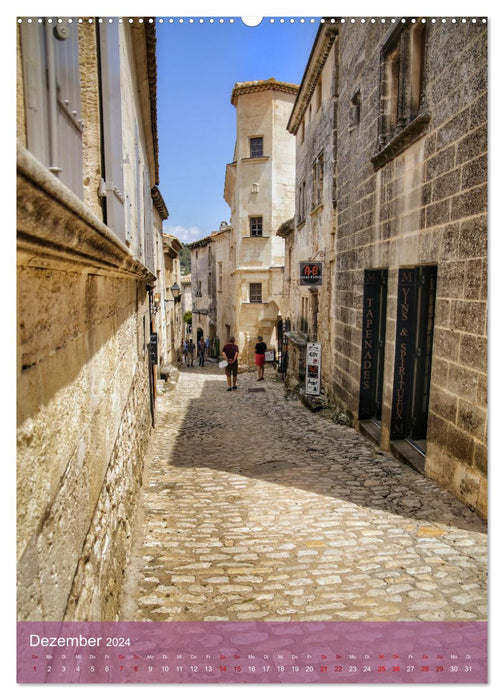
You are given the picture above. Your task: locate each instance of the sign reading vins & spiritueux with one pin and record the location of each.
(405, 348)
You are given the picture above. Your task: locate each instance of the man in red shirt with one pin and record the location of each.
(230, 353)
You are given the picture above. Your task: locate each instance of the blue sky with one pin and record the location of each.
(198, 65)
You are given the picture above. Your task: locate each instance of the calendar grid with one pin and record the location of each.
(259, 652)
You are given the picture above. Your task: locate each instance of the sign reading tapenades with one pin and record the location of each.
(310, 274)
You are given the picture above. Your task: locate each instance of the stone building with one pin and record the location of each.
(225, 296)
(310, 236)
(259, 188)
(185, 300)
(170, 301)
(88, 231)
(165, 290)
(202, 289)
(212, 289)
(404, 264)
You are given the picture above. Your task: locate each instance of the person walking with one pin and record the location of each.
(201, 351)
(260, 357)
(190, 353)
(230, 353)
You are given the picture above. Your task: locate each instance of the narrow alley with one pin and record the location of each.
(254, 508)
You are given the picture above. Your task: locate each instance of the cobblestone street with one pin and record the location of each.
(254, 508)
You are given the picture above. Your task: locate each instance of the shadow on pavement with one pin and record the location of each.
(262, 435)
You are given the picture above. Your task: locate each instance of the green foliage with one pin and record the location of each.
(188, 317)
(185, 260)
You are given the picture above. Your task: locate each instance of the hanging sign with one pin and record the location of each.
(153, 349)
(310, 274)
(313, 358)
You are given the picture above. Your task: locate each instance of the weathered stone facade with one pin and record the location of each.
(169, 309)
(84, 322)
(202, 289)
(310, 236)
(212, 290)
(259, 188)
(405, 280)
(185, 299)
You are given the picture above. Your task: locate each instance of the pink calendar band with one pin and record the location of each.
(252, 652)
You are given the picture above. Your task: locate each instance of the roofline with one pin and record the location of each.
(286, 228)
(159, 203)
(150, 49)
(247, 88)
(200, 243)
(316, 62)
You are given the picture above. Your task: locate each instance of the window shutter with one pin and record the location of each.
(53, 105)
(35, 87)
(65, 42)
(148, 224)
(112, 127)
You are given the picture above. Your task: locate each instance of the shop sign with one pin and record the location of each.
(373, 343)
(310, 274)
(153, 349)
(405, 348)
(313, 359)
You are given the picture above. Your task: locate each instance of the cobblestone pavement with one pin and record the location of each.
(254, 508)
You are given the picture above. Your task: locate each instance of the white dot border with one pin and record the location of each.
(284, 21)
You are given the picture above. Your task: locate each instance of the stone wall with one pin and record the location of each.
(424, 206)
(311, 312)
(96, 589)
(83, 401)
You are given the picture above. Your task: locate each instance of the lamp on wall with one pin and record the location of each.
(156, 299)
(175, 290)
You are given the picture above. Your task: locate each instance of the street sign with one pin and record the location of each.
(313, 359)
(310, 274)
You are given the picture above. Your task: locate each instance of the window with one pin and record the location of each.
(255, 293)
(110, 105)
(256, 226)
(220, 277)
(303, 323)
(317, 181)
(403, 111)
(355, 110)
(256, 147)
(53, 107)
(318, 93)
(301, 202)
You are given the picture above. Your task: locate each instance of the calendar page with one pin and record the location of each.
(252, 341)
